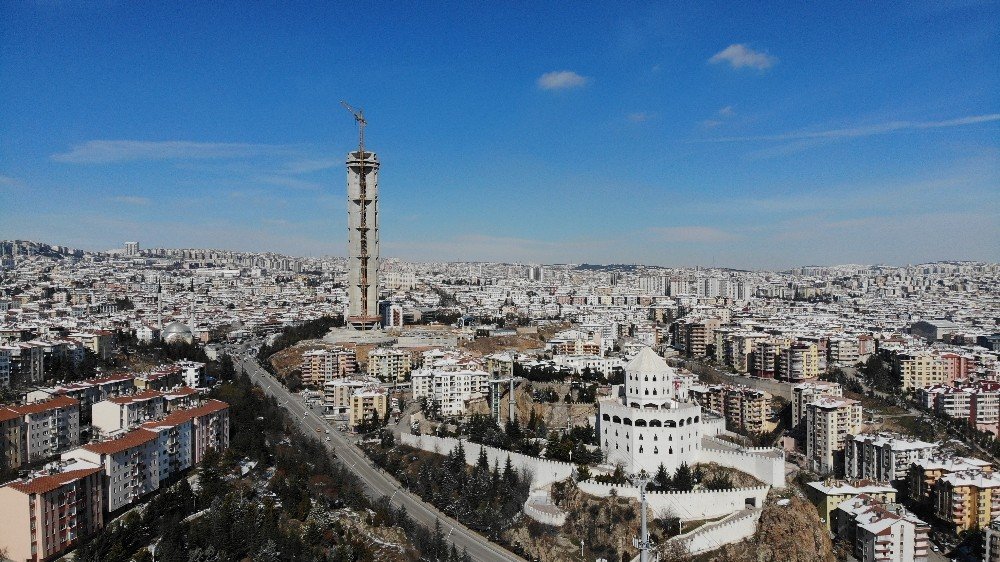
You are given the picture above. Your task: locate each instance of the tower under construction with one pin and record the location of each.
(362, 226)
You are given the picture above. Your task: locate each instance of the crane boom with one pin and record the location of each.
(359, 116)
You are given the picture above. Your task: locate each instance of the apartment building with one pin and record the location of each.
(799, 362)
(978, 403)
(765, 357)
(11, 438)
(127, 412)
(501, 365)
(743, 407)
(322, 365)
(991, 542)
(694, 335)
(804, 393)
(450, 390)
(6, 366)
(88, 392)
(174, 443)
(883, 456)
(919, 369)
(337, 396)
(46, 515)
(829, 421)
(129, 464)
(49, 427)
(366, 404)
(924, 473)
(881, 532)
(967, 500)
(828, 494)
(842, 352)
(389, 365)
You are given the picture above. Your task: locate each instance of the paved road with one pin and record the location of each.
(377, 483)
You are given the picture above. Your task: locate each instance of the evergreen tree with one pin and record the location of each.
(683, 479)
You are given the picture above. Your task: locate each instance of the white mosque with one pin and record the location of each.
(650, 419)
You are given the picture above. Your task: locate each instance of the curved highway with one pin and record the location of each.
(377, 482)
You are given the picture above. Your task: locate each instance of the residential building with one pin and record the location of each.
(799, 362)
(967, 500)
(130, 466)
(804, 393)
(389, 365)
(828, 494)
(883, 456)
(49, 427)
(919, 369)
(322, 365)
(11, 438)
(829, 421)
(45, 515)
(449, 390)
(366, 404)
(127, 412)
(924, 473)
(743, 407)
(881, 532)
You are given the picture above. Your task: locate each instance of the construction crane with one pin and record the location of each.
(359, 116)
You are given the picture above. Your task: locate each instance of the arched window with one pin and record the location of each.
(670, 423)
(640, 449)
(647, 392)
(669, 437)
(626, 448)
(696, 419)
(634, 405)
(626, 421)
(640, 422)
(680, 423)
(640, 437)
(616, 419)
(654, 392)
(606, 417)
(689, 421)
(655, 437)
(656, 450)
(655, 423)
(670, 451)
(654, 378)
(647, 378)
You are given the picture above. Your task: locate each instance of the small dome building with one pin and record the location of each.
(651, 420)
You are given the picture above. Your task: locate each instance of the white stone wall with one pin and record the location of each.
(698, 504)
(543, 472)
(710, 537)
(768, 465)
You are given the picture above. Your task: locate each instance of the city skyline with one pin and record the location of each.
(664, 136)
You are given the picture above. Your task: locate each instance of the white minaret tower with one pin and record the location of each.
(362, 226)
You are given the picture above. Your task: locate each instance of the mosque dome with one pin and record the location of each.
(177, 331)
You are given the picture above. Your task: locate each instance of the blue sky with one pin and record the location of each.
(755, 135)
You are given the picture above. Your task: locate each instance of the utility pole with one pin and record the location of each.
(642, 542)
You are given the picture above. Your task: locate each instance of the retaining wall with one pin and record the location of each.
(697, 504)
(767, 465)
(712, 536)
(542, 471)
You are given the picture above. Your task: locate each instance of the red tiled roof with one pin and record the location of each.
(7, 414)
(38, 407)
(48, 483)
(131, 439)
(181, 416)
(182, 391)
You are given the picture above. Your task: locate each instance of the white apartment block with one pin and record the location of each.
(130, 464)
(49, 427)
(883, 457)
(127, 412)
(192, 372)
(596, 364)
(449, 389)
(807, 392)
(978, 403)
(829, 421)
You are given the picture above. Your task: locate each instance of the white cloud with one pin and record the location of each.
(284, 181)
(642, 116)
(131, 200)
(691, 234)
(727, 111)
(7, 181)
(116, 151)
(870, 130)
(561, 80)
(738, 56)
(314, 165)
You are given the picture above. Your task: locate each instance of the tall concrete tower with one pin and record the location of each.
(362, 226)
